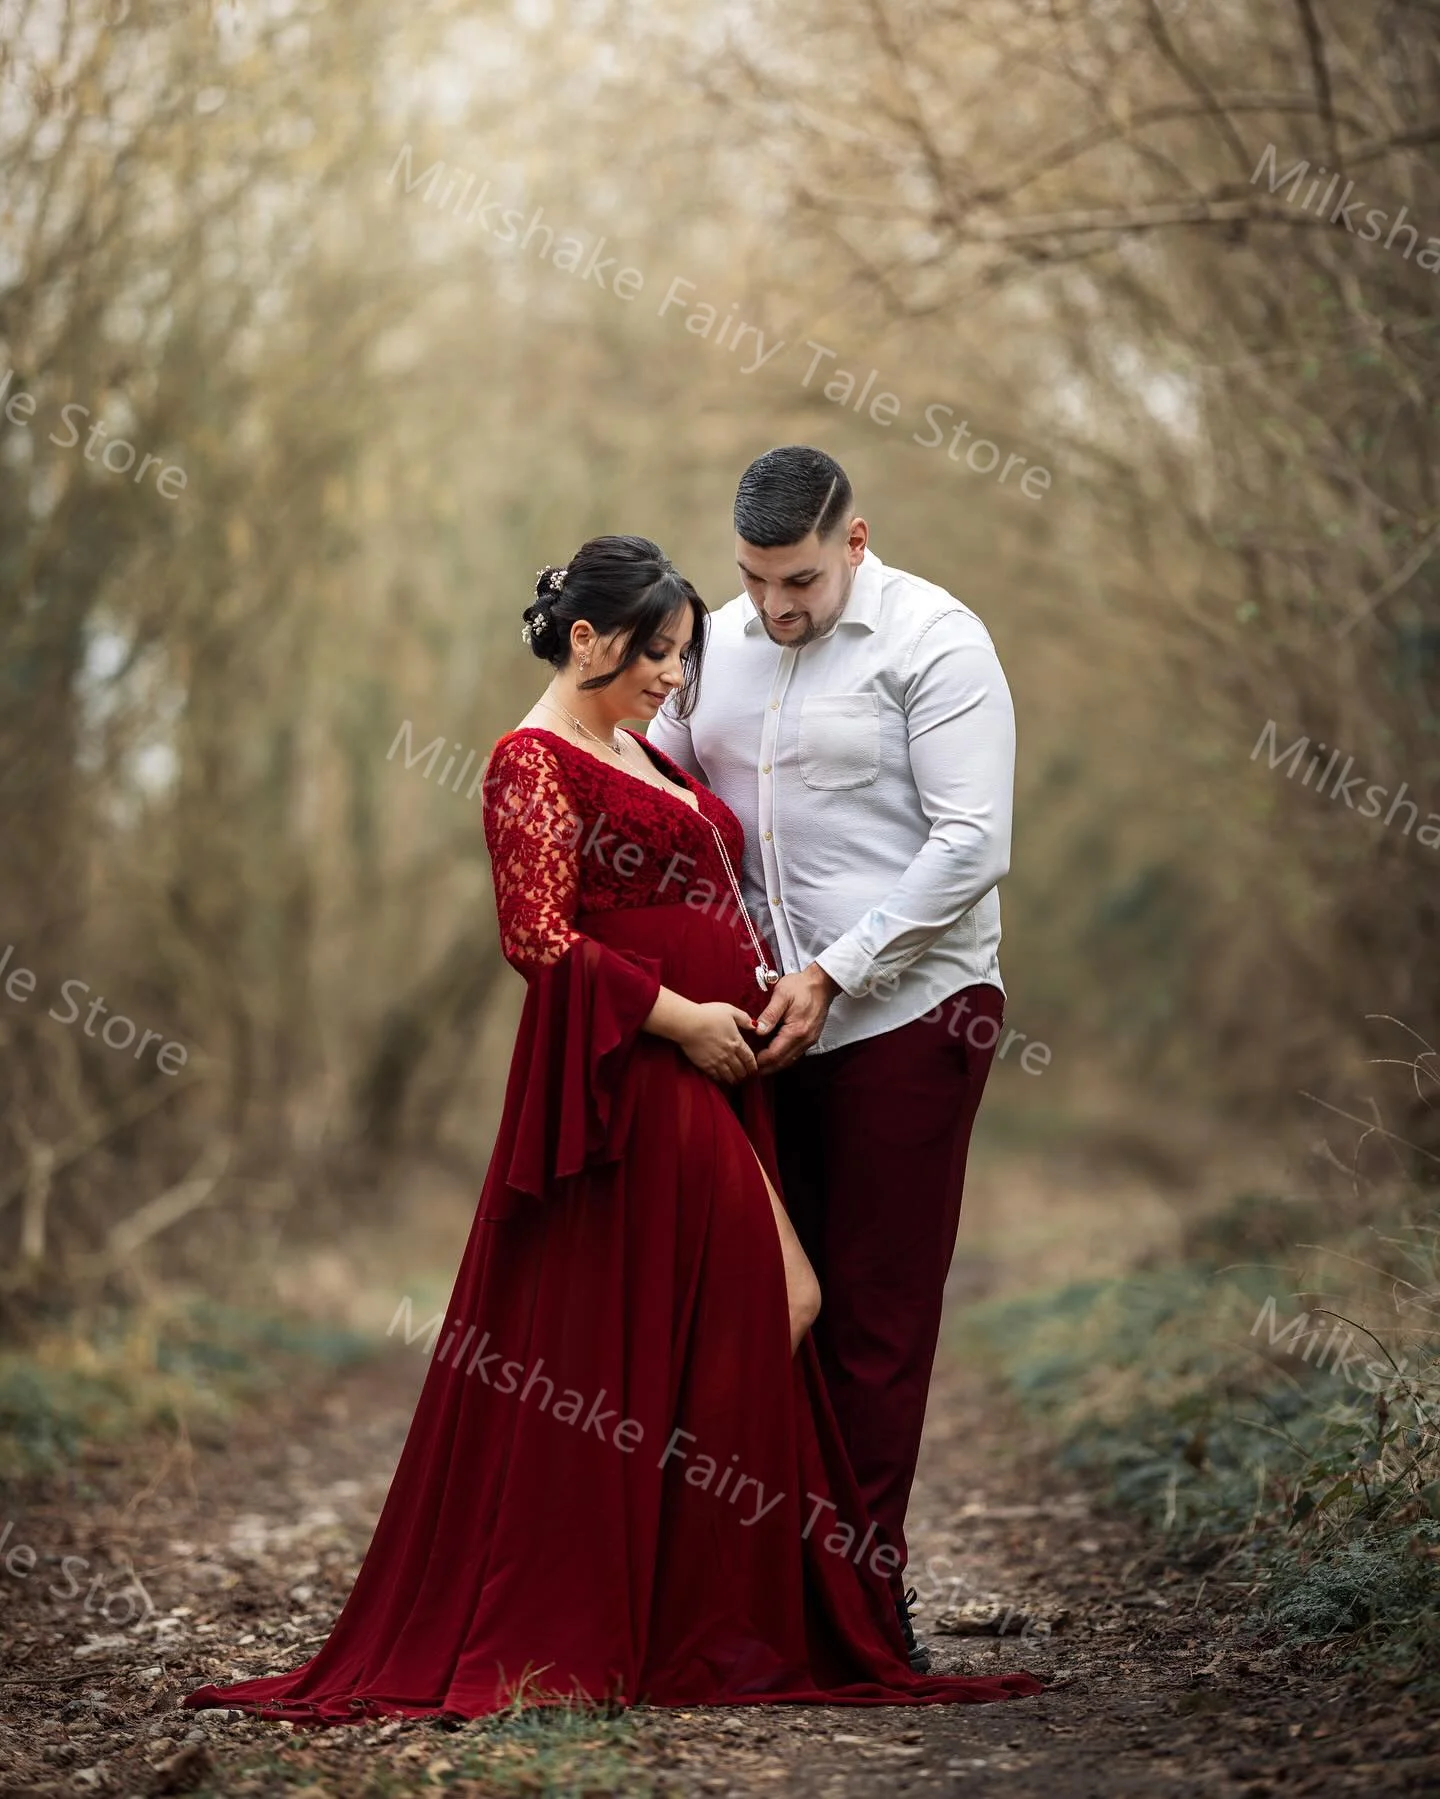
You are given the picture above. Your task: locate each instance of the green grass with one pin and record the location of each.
(529, 1751)
(568, 1752)
(101, 1378)
(1163, 1387)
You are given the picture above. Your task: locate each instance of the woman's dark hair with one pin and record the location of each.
(623, 584)
(787, 493)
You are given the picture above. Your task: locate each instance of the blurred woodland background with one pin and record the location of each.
(251, 238)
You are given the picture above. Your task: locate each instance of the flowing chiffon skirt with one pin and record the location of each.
(619, 1485)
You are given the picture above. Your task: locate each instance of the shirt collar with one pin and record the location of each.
(863, 606)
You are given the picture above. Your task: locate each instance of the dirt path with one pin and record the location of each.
(246, 1549)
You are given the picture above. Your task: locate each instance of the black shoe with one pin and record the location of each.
(919, 1655)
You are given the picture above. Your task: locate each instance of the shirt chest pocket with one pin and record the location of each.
(839, 740)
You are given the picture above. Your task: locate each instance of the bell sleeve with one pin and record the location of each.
(565, 1108)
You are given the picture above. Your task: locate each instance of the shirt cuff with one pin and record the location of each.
(846, 963)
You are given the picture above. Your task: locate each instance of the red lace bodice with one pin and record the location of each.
(569, 834)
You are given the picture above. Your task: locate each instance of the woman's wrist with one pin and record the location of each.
(672, 1016)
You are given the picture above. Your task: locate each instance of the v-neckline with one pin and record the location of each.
(691, 805)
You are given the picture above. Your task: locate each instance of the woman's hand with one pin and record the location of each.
(711, 1038)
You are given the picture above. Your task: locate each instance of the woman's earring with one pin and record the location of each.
(584, 662)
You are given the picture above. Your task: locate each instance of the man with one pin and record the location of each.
(857, 721)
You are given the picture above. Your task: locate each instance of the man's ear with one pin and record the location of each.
(859, 537)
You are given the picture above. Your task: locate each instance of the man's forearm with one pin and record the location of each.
(961, 726)
(930, 899)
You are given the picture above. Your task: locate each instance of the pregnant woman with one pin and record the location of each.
(623, 1481)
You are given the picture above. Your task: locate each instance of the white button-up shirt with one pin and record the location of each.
(873, 771)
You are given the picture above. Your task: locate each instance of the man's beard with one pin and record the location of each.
(808, 635)
(812, 630)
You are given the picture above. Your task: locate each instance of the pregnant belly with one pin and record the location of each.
(704, 955)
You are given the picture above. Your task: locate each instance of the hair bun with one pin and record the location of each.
(548, 583)
(540, 632)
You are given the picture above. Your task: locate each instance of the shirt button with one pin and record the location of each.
(774, 899)
(764, 768)
(774, 705)
(769, 836)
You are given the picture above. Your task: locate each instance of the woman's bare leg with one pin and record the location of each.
(802, 1290)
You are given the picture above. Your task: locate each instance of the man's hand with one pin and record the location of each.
(796, 1015)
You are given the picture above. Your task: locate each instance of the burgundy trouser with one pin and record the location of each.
(872, 1139)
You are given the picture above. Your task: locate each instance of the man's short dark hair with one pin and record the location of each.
(787, 493)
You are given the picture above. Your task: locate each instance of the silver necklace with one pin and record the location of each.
(614, 744)
(765, 975)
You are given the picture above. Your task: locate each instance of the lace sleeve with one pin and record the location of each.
(533, 832)
(567, 1105)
